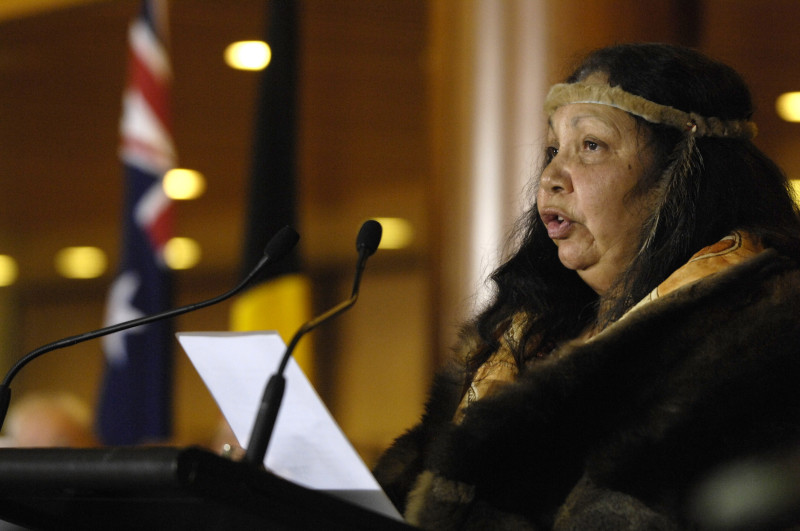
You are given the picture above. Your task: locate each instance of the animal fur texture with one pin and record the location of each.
(614, 433)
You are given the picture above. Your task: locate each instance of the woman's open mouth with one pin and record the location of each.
(557, 225)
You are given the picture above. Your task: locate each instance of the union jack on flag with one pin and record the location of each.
(135, 401)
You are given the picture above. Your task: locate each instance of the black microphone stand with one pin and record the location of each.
(368, 239)
(278, 246)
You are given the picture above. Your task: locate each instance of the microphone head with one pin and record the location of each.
(280, 244)
(369, 237)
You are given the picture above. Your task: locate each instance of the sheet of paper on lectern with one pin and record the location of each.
(307, 446)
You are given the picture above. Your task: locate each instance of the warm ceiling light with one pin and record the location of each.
(81, 262)
(248, 55)
(182, 184)
(8, 270)
(788, 106)
(795, 184)
(181, 253)
(397, 233)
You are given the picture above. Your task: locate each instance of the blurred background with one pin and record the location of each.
(425, 112)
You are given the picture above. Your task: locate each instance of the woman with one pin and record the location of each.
(646, 329)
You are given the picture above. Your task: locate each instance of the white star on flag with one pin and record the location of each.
(120, 308)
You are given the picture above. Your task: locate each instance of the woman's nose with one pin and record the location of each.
(555, 178)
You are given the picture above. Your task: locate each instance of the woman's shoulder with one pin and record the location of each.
(735, 256)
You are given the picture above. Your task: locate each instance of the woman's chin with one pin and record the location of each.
(590, 271)
(575, 257)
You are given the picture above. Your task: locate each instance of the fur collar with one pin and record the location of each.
(696, 378)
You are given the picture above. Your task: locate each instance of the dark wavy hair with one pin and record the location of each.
(731, 185)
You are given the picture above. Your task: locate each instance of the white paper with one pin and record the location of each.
(307, 446)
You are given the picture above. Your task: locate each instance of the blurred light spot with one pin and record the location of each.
(795, 184)
(397, 233)
(752, 494)
(182, 253)
(8, 270)
(182, 184)
(788, 106)
(81, 262)
(248, 55)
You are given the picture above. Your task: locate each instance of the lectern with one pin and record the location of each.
(162, 488)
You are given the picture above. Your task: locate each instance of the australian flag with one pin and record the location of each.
(135, 401)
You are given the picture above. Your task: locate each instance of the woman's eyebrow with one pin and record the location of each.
(604, 121)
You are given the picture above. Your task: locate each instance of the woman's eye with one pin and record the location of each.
(590, 145)
(550, 153)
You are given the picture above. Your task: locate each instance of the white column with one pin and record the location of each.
(506, 123)
(488, 85)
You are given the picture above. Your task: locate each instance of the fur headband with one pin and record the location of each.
(567, 93)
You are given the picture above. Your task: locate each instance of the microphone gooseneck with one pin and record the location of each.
(279, 245)
(366, 244)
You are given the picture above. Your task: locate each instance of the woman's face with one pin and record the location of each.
(596, 156)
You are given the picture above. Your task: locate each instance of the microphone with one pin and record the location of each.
(280, 244)
(366, 244)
